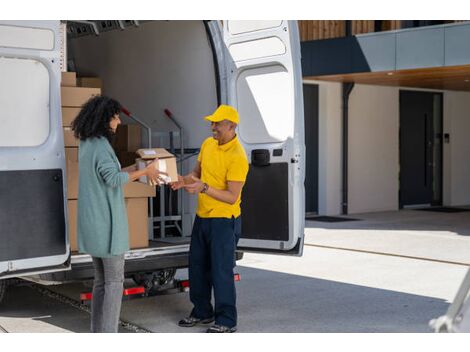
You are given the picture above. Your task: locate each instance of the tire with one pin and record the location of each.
(158, 278)
(3, 289)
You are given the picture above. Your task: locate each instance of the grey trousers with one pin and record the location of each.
(107, 293)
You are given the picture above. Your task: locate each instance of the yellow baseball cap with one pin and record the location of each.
(224, 112)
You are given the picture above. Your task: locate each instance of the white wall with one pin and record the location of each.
(457, 152)
(329, 149)
(161, 64)
(373, 149)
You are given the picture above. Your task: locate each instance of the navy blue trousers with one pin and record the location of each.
(211, 263)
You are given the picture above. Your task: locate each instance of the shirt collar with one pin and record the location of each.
(227, 146)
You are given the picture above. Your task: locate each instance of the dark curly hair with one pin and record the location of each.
(94, 117)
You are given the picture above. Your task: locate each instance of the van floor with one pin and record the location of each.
(169, 241)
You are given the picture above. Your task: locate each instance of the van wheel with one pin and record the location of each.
(3, 289)
(155, 279)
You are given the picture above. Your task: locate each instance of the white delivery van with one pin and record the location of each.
(252, 65)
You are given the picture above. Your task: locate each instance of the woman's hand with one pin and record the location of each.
(152, 172)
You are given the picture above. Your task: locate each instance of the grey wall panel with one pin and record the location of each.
(323, 57)
(457, 45)
(420, 48)
(378, 51)
(445, 45)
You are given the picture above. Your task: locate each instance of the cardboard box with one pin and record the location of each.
(166, 163)
(77, 96)
(72, 214)
(90, 82)
(68, 79)
(68, 115)
(137, 217)
(126, 158)
(71, 162)
(69, 138)
(138, 190)
(128, 138)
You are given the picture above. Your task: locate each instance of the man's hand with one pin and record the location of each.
(195, 187)
(177, 184)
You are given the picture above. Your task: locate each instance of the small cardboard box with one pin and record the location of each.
(68, 115)
(69, 138)
(137, 217)
(166, 163)
(128, 138)
(90, 82)
(68, 79)
(71, 158)
(77, 96)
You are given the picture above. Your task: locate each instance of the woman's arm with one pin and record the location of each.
(129, 168)
(151, 171)
(113, 178)
(106, 167)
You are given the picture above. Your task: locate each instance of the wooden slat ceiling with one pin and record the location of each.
(441, 78)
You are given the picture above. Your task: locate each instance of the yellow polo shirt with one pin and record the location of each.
(219, 164)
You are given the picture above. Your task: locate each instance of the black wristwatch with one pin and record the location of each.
(205, 188)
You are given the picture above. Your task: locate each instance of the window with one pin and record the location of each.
(265, 104)
(24, 102)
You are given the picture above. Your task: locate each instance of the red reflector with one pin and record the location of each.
(185, 283)
(236, 277)
(85, 296)
(133, 291)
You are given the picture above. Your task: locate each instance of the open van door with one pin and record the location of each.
(263, 81)
(32, 162)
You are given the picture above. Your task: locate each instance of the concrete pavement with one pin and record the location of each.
(325, 290)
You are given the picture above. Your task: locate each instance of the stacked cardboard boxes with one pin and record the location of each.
(136, 194)
(127, 142)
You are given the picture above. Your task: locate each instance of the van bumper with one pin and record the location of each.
(84, 271)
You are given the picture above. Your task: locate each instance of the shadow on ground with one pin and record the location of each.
(268, 301)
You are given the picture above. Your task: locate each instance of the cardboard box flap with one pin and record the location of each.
(154, 153)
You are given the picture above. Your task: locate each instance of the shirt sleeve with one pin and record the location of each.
(238, 170)
(199, 157)
(107, 169)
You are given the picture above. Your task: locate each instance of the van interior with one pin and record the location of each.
(150, 66)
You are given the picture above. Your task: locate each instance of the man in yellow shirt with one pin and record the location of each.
(218, 179)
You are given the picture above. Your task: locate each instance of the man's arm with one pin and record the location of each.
(228, 195)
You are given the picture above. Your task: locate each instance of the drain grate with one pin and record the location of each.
(444, 209)
(329, 218)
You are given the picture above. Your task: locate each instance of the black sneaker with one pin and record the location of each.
(221, 329)
(193, 321)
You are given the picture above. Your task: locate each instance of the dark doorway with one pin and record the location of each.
(311, 147)
(420, 148)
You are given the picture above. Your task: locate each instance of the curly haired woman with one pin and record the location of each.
(102, 218)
